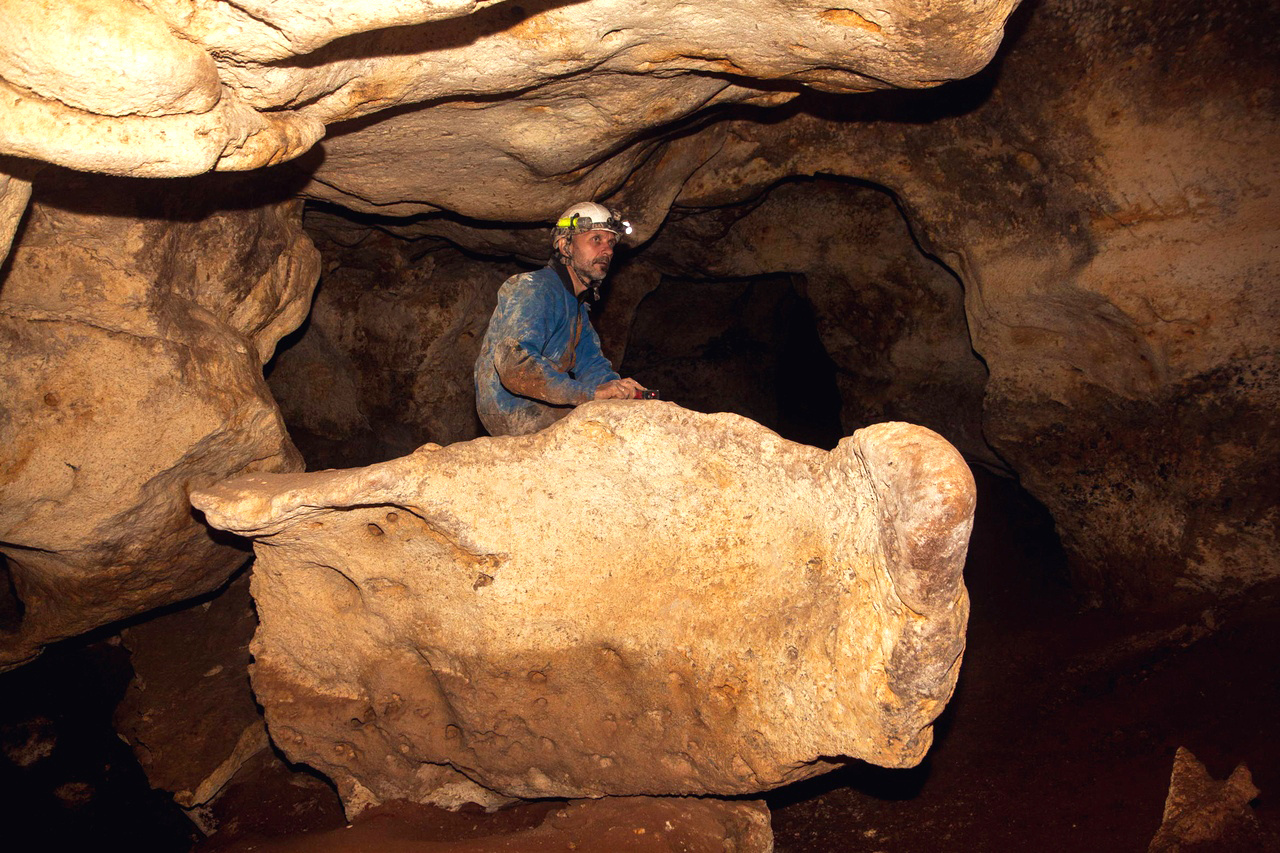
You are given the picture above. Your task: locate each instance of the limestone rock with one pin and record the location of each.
(178, 87)
(15, 192)
(1201, 813)
(128, 62)
(135, 323)
(637, 600)
(188, 712)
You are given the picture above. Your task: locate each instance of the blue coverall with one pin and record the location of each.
(540, 356)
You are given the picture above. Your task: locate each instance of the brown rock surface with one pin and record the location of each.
(385, 362)
(188, 712)
(1202, 813)
(1116, 237)
(135, 321)
(177, 87)
(638, 600)
(15, 192)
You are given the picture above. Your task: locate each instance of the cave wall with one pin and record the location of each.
(891, 319)
(136, 317)
(384, 364)
(546, 96)
(1122, 292)
(1103, 193)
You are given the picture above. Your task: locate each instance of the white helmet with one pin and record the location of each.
(589, 216)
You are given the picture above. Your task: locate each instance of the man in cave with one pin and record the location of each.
(540, 356)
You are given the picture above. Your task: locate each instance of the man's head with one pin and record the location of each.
(583, 240)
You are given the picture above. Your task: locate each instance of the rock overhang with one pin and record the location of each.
(190, 87)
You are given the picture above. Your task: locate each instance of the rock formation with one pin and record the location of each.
(1202, 813)
(564, 100)
(1112, 223)
(529, 93)
(1116, 238)
(188, 713)
(638, 600)
(135, 321)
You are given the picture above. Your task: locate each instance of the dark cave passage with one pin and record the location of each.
(748, 346)
(69, 781)
(11, 606)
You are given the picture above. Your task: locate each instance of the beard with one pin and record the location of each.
(593, 272)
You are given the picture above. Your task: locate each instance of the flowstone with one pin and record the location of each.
(639, 600)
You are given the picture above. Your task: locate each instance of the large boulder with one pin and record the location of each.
(637, 600)
(135, 322)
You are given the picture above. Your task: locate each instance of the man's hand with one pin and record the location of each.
(618, 389)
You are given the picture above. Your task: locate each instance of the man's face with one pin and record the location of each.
(590, 254)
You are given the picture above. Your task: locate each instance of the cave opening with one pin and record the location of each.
(747, 346)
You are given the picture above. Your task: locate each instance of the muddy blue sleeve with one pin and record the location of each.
(532, 328)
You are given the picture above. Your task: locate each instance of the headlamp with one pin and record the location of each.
(586, 223)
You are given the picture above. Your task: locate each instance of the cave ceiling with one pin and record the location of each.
(494, 111)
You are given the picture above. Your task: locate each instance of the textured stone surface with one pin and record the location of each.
(15, 192)
(178, 87)
(188, 713)
(638, 600)
(1202, 813)
(385, 362)
(135, 321)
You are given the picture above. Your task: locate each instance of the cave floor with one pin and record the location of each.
(1061, 736)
